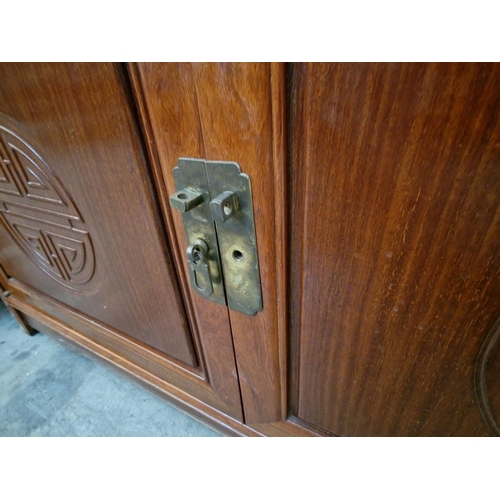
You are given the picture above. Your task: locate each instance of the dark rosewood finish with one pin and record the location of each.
(395, 244)
(376, 193)
(77, 118)
(224, 112)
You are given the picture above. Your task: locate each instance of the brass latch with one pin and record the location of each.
(215, 199)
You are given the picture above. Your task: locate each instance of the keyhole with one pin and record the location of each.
(199, 279)
(197, 254)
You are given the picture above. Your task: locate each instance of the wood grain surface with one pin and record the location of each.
(78, 119)
(395, 192)
(187, 399)
(376, 193)
(224, 112)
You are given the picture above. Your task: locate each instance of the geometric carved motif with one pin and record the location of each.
(40, 215)
(486, 356)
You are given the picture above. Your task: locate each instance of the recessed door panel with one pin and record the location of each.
(78, 218)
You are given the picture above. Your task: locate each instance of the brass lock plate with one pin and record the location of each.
(191, 181)
(232, 209)
(215, 199)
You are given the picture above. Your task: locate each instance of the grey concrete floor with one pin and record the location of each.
(48, 390)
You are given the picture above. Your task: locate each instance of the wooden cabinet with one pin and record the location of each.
(84, 242)
(376, 206)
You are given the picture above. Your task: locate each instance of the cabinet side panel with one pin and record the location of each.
(395, 244)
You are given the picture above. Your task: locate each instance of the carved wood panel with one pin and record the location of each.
(40, 215)
(78, 218)
(487, 375)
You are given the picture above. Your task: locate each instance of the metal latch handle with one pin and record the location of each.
(215, 199)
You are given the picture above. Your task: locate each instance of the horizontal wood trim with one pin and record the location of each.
(179, 398)
(287, 428)
(192, 400)
(61, 318)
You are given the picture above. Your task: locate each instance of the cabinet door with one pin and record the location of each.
(395, 219)
(81, 226)
(226, 112)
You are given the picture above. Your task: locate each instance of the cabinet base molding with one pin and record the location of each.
(37, 320)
